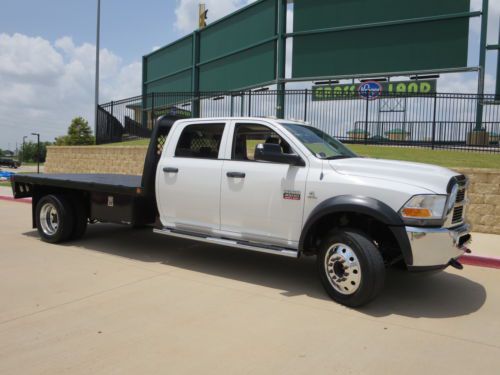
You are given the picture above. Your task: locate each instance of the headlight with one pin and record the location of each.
(424, 207)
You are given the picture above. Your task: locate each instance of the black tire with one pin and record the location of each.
(357, 267)
(65, 222)
(80, 218)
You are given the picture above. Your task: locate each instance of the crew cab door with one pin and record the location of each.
(189, 176)
(261, 201)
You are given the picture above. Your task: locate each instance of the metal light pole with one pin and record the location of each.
(97, 47)
(37, 151)
(24, 145)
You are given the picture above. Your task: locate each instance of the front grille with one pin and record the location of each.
(457, 214)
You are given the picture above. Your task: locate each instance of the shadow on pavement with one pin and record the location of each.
(439, 295)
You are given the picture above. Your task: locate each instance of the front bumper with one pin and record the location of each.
(434, 248)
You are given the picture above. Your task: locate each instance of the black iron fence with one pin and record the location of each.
(446, 121)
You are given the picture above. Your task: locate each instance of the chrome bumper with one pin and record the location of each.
(435, 247)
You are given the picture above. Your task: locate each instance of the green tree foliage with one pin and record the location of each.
(29, 152)
(79, 133)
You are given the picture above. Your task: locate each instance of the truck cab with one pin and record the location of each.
(287, 188)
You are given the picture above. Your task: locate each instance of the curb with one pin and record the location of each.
(479, 261)
(470, 260)
(11, 199)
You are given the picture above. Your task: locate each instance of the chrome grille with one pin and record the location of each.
(458, 209)
(458, 213)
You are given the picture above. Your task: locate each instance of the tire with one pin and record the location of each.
(54, 218)
(80, 219)
(350, 267)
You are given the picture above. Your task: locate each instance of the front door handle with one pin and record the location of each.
(170, 170)
(235, 174)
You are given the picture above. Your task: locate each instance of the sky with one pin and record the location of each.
(47, 56)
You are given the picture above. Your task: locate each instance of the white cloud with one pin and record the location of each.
(464, 83)
(44, 85)
(186, 11)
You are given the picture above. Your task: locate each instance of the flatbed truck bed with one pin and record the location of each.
(108, 183)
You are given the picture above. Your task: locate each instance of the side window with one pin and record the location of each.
(248, 136)
(200, 141)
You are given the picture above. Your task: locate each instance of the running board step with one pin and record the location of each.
(269, 249)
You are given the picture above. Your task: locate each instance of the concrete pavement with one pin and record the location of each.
(129, 302)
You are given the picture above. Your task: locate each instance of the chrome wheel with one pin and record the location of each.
(49, 219)
(343, 269)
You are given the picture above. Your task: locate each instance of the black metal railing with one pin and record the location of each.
(446, 121)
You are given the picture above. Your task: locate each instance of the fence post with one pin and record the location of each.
(232, 104)
(152, 109)
(305, 105)
(366, 121)
(111, 122)
(434, 121)
(249, 103)
(97, 128)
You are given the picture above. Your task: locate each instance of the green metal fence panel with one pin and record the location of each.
(439, 42)
(177, 83)
(239, 51)
(319, 14)
(247, 27)
(170, 59)
(245, 69)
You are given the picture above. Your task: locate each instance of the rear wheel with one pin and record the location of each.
(350, 267)
(54, 218)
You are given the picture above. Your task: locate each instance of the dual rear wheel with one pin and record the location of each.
(60, 218)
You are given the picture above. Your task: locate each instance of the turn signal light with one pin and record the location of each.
(417, 212)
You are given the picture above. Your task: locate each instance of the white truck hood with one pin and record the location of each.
(426, 176)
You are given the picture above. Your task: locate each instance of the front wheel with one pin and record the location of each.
(350, 267)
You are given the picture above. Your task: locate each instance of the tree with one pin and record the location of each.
(79, 133)
(29, 153)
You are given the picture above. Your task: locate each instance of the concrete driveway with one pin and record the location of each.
(132, 302)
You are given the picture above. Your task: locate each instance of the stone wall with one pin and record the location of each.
(483, 211)
(484, 190)
(95, 159)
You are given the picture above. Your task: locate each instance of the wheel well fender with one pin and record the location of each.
(365, 206)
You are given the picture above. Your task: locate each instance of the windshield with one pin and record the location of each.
(319, 143)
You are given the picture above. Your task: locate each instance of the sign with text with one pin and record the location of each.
(372, 90)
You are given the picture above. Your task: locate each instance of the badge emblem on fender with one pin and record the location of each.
(291, 195)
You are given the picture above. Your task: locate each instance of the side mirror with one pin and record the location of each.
(272, 152)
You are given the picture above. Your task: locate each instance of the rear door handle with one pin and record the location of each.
(235, 174)
(170, 170)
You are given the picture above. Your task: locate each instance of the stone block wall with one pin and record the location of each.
(483, 211)
(95, 159)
